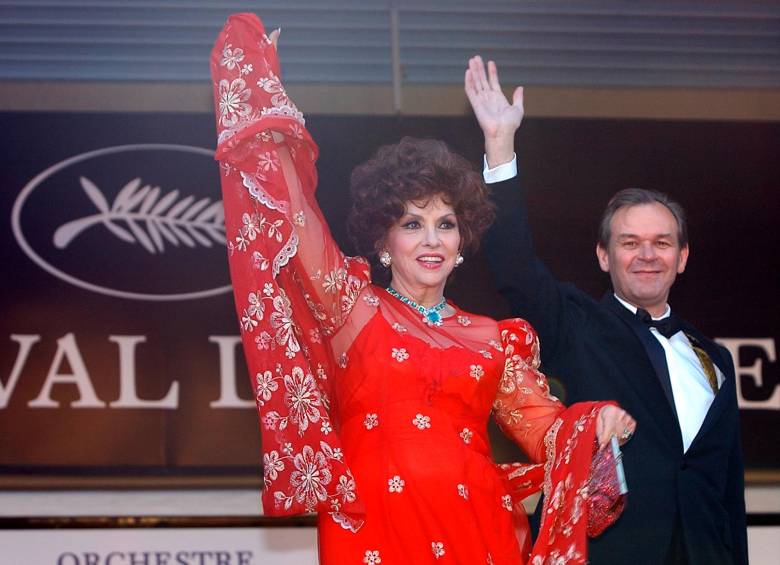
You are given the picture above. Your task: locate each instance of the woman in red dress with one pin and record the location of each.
(374, 401)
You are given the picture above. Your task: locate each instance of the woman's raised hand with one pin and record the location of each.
(498, 118)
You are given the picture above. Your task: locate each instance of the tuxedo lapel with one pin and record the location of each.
(654, 350)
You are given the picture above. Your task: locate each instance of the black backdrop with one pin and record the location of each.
(58, 339)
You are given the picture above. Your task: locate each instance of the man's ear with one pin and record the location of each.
(684, 252)
(603, 257)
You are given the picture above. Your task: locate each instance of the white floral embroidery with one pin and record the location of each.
(437, 548)
(281, 320)
(346, 489)
(464, 321)
(273, 85)
(264, 340)
(258, 261)
(268, 289)
(353, 286)
(326, 428)
(311, 476)
(302, 398)
(372, 558)
(231, 57)
(463, 491)
(334, 281)
(241, 242)
(396, 484)
(343, 360)
(232, 101)
(400, 355)
(248, 322)
(272, 465)
(287, 449)
(371, 421)
(371, 300)
(476, 371)
(321, 373)
(265, 387)
(506, 502)
(466, 435)
(496, 345)
(337, 454)
(399, 328)
(256, 307)
(268, 161)
(299, 218)
(314, 335)
(486, 354)
(422, 422)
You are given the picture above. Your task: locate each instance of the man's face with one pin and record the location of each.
(643, 256)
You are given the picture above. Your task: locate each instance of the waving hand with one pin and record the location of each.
(498, 118)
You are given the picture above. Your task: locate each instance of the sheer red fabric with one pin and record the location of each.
(368, 415)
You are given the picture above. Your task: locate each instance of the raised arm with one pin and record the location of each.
(523, 280)
(291, 282)
(268, 160)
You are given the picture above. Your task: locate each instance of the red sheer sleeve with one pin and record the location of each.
(561, 438)
(293, 287)
(524, 408)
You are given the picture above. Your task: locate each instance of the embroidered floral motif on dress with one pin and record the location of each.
(399, 355)
(422, 422)
(438, 549)
(396, 484)
(371, 421)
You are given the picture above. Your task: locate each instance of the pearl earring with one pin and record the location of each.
(385, 259)
(459, 260)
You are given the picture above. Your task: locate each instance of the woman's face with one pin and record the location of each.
(423, 245)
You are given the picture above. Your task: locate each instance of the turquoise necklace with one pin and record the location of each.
(431, 315)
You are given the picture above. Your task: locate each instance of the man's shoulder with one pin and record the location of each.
(591, 317)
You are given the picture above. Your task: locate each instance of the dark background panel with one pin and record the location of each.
(725, 174)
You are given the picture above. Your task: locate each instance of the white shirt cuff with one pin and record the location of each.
(501, 172)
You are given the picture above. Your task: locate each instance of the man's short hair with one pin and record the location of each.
(629, 197)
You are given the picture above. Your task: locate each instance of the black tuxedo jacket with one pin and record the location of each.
(682, 507)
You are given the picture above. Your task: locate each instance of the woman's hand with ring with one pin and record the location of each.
(614, 421)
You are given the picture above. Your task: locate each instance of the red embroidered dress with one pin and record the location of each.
(370, 416)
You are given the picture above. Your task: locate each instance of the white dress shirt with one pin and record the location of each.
(691, 388)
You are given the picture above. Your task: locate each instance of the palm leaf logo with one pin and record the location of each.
(141, 214)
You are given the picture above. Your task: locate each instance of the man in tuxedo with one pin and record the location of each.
(683, 465)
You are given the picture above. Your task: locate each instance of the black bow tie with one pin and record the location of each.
(667, 327)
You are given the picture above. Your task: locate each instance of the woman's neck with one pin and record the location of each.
(425, 296)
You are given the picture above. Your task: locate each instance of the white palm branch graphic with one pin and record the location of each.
(149, 219)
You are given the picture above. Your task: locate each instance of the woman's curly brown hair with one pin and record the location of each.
(415, 170)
